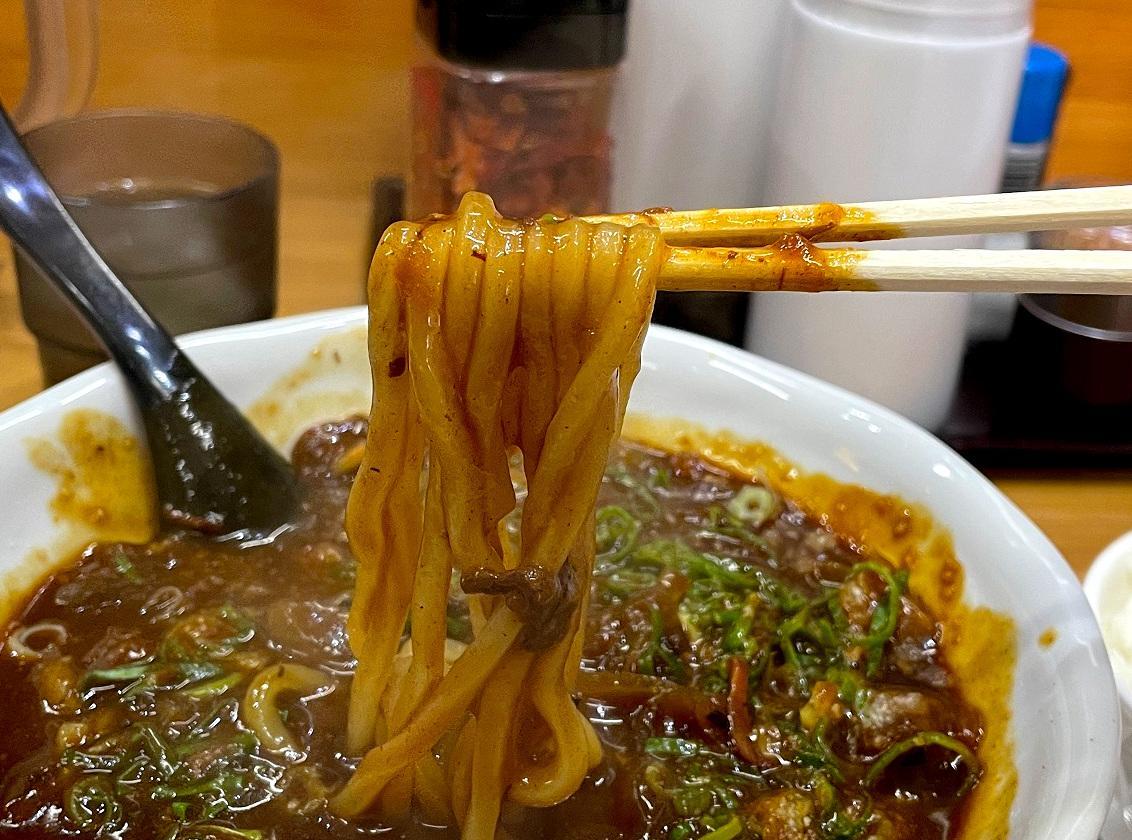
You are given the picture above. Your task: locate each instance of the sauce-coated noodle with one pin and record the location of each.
(487, 337)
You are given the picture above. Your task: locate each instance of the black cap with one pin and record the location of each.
(526, 34)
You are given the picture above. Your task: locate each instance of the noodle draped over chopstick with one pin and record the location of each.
(488, 339)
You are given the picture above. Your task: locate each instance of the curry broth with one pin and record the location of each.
(308, 573)
(103, 491)
(980, 645)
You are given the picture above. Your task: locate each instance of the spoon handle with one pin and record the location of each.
(213, 470)
(34, 218)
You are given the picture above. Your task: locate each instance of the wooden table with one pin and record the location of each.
(326, 81)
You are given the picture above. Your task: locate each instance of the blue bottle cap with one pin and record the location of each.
(1043, 83)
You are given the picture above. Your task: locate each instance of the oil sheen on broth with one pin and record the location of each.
(750, 673)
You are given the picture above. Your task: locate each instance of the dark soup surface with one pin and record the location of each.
(750, 673)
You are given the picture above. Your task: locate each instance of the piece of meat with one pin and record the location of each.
(544, 600)
(915, 646)
(784, 815)
(893, 714)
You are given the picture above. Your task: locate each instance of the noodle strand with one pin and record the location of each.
(492, 342)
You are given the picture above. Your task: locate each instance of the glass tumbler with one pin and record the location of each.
(182, 207)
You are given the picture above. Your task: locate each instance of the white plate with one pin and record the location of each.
(1065, 711)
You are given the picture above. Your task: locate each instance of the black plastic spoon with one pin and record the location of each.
(214, 472)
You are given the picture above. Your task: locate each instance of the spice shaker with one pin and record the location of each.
(511, 98)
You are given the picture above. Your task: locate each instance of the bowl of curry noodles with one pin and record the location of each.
(786, 613)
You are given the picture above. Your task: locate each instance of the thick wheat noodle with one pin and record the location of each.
(487, 338)
(432, 791)
(443, 708)
(493, 744)
(461, 767)
(394, 412)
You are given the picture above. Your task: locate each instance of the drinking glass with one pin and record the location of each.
(182, 207)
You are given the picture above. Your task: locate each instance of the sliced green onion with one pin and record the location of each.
(158, 750)
(161, 676)
(672, 747)
(692, 800)
(815, 753)
(136, 772)
(621, 476)
(192, 671)
(91, 804)
(245, 742)
(215, 687)
(646, 662)
(458, 627)
(738, 637)
(89, 761)
(802, 623)
(753, 505)
(111, 676)
(615, 533)
(223, 785)
(624, 582)
(673, 554)
(919, 741)
(728, 831)
(180, 811)
(779, 594)
(213, 830)
(125, 567)
(851, 689)
(187, 639)
(723, 523)
(840, 826)
(886, 613)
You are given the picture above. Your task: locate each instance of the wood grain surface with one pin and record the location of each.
(326, 81)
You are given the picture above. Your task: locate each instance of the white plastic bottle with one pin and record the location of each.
(691, 106)
(691, 109)
(880, 99)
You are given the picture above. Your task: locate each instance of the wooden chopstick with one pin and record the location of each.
(1001, 213)
(800, 267)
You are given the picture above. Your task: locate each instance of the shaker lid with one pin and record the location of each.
(1043, 83)
(526, 34)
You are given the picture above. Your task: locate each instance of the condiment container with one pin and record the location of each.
(511, 98)
(690, 116)
(886, 99)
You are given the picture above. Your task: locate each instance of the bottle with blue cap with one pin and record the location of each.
(1035, 118)
(1043, 84)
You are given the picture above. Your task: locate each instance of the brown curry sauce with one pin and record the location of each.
(294, 596)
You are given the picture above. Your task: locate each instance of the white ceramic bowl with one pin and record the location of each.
(1107, 586)
(1065, 710)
